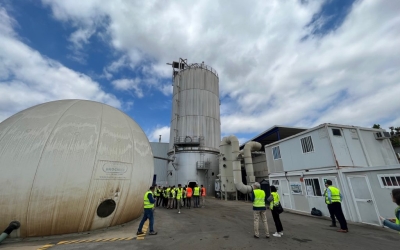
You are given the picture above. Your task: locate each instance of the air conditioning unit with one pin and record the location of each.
(382, 135)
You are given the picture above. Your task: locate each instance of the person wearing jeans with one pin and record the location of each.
(196, 195)
(148, 212)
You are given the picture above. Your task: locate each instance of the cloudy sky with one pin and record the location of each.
(295, 62)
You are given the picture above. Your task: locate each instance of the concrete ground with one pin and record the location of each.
(220, 225)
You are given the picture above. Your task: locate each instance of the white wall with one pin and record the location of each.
(380, 152)
(160, 149)
(381, 196)
(293, 157)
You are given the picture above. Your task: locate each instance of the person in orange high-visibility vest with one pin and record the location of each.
(203, 196)
(189, 193)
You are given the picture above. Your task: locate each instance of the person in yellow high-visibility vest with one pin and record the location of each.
(196, 196)
(148, 204)
(179, 196)
(259, 210)
(169, 197)
(395, 222)
(275, 201)
(333, 198)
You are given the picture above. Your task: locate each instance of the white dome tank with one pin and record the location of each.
(71, 166)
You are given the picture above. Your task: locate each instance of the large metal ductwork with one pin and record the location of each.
(236, 156)
(248, 162)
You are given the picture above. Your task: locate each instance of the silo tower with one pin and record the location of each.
(195, 125)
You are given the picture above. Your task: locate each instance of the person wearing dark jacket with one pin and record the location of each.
(274, 200)
(148, 212)
(259, 210)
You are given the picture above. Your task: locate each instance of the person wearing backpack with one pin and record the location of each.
(395, 222)
(274, 200)
(333, 197)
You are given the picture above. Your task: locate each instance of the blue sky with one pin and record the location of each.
(294, 63)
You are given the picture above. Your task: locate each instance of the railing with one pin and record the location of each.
(203, 66)
(189, 140)
(203, 165)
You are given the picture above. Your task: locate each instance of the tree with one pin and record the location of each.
(378, 126)
(395, 140)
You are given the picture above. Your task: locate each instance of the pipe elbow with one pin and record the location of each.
(12, 226)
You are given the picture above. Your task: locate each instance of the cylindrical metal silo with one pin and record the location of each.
(195, 125)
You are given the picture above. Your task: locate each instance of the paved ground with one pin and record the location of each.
(226, 225)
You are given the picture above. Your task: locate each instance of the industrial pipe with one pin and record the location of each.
(248, 162)
(13, 225)
(237, 171)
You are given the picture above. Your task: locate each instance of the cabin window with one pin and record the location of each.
(336, 131)
(276, 152)
(312, 187)
(275, 182)
(307, 144)
(389, 180)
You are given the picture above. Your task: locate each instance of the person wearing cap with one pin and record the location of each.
(148, 212)
(333, 198)
(259, 210)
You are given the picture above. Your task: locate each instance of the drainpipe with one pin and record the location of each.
(248, 162)
(237, 172)
(13, 225)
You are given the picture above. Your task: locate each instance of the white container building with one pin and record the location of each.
(360, 161)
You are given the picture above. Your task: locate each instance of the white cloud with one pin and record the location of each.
(27, 78)
(156, 132)
(129, 84)
(268, 74)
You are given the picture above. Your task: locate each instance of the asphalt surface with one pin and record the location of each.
(229, 225)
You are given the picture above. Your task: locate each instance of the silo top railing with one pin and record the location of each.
(202, 66)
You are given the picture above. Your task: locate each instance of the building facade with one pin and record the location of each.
(360, 161)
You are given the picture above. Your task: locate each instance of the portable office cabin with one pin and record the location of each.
(354, 158)
(330, 145)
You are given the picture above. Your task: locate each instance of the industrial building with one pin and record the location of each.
(160, 150)
(360, 161)
(72, 165)
(195, 125)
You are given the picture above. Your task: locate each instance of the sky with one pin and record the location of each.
(294, 63)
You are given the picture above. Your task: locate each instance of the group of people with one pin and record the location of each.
(171, 198)
(333, 199)
(180, 197)
(260, 200)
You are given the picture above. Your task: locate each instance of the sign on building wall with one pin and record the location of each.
(296, 188)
